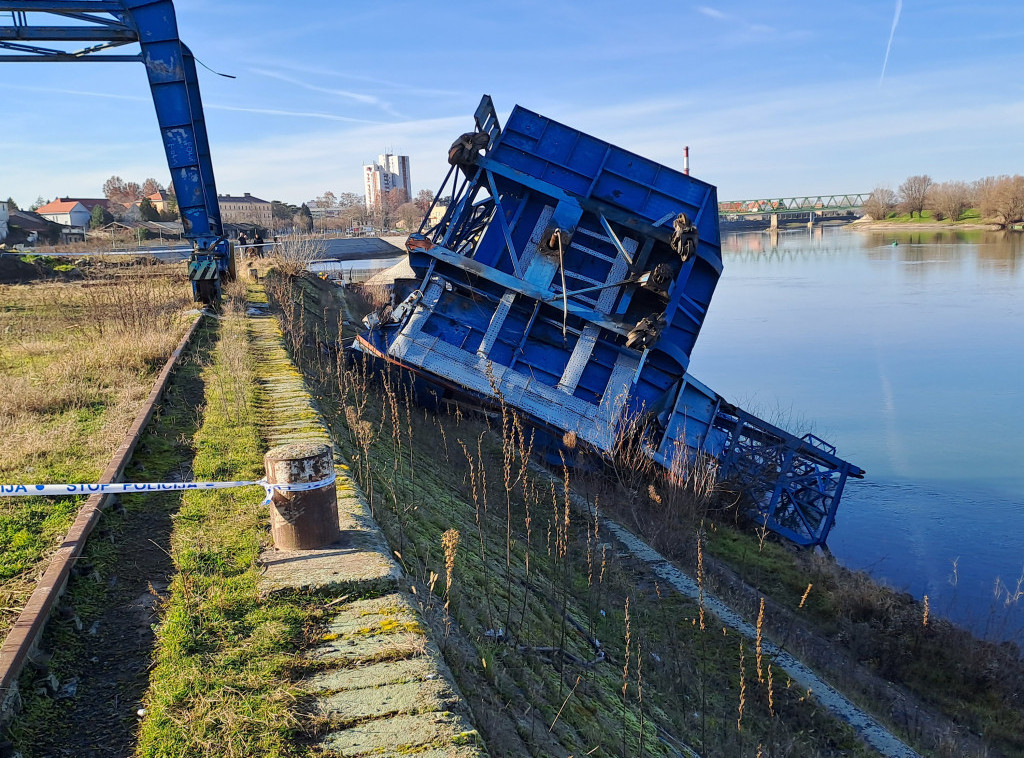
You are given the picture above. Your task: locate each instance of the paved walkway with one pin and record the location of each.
(382, 687)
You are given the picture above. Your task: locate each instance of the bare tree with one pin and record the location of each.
(914, 193)
(423, 199)
(409, 215)
(151, 186)
(114, 189)
(880, 203)
(1002, 199)
(327, 200)
(949, 200)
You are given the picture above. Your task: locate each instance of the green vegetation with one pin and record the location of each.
(78, 360)
(224, 654)
(128, 541)
(560, 644)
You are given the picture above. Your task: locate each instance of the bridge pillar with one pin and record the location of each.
(810, 224)
(773, 220)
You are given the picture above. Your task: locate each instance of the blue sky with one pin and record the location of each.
(774, 99)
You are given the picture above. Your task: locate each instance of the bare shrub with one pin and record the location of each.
(295, 254)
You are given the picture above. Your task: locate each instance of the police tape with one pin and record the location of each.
(130, 488)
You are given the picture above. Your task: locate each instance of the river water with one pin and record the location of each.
(909, 357)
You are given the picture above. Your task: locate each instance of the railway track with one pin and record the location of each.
(23, 638)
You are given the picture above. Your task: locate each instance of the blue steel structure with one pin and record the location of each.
(171, 69)
(574, 277)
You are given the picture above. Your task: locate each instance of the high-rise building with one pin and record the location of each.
(388, 173)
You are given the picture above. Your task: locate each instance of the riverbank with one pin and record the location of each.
(870, 225)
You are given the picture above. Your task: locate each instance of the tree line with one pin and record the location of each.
(999, 199)
(345, 210)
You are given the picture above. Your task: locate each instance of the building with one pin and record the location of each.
(246, 210)
(160, 200)
(66, 212)
(437, 212)
(388, 173)
(4, 217)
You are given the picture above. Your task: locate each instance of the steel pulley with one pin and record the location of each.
(684, 237)
(645, 333)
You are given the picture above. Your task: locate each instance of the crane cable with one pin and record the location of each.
(565, 294)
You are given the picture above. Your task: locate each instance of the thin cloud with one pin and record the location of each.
(892, 33)
(358, 97)
(712, 12)
(395, 87)
(295, 114)
(737, 22)
(82, 93)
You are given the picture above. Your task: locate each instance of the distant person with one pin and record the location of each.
(257, 239)
(242, 242)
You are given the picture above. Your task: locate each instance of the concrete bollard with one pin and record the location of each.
(308, 519)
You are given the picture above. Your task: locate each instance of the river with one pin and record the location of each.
(909, 357)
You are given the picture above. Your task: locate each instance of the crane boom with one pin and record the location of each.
(171, 70)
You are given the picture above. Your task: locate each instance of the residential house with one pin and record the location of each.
(66, 212)
(246, 210)
(160, 200)
(438, 211)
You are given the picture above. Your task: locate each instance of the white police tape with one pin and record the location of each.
(127, 488)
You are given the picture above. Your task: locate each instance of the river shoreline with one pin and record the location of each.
(919, 226)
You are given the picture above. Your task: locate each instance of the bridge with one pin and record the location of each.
(806, 204)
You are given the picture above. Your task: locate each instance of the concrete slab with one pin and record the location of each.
(353, 706)
(421, 669)
(448, 732)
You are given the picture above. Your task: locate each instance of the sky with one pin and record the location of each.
(773, 99)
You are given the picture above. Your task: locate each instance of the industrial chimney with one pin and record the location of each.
(686, 160)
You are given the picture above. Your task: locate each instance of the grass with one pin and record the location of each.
(531, 605)
(970, 216)
(78, 360)
(224, 654)
(122, 545)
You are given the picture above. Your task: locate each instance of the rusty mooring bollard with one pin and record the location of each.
(302, 520)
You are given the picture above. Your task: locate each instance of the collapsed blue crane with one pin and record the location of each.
(573, 277)
(171, 69)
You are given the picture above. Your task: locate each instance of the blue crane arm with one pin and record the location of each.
(170, 67)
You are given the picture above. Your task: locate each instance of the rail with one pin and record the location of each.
(24, 636)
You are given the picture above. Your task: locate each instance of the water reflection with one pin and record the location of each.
(910, 358)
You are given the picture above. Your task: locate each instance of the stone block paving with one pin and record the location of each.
(382, 687)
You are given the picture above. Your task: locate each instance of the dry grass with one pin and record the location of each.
(77, 360)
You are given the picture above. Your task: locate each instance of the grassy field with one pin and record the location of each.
(970, 216)
(77, 361)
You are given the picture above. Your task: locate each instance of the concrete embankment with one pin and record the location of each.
(380, 685)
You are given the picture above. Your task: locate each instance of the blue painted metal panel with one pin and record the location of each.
(563, 264)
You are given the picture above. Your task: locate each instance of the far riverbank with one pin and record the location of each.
(867, 224)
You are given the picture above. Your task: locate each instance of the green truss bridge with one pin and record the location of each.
(810, 204)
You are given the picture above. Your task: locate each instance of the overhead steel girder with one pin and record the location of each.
(69, 33)
(170, 67)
